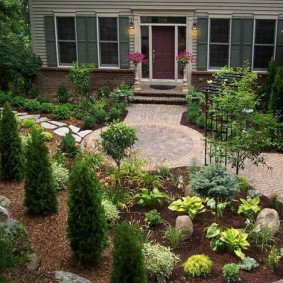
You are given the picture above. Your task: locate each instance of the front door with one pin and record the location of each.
(163, 46)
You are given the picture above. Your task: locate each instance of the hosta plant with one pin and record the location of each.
(249, 207)
(235, 240)
(151, 198)
(190, 205)
(198, 266)
(159, 262)
(220, 207)
(213, 232)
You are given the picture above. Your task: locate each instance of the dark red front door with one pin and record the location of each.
(163, 46)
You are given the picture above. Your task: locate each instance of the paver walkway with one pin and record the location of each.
(163, 139)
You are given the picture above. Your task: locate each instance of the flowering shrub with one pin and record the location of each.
(136, 57)
(185, 57)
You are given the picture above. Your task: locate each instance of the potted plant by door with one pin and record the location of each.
(136, 58)
(185, 57)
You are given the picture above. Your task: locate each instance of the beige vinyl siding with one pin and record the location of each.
(40, 8)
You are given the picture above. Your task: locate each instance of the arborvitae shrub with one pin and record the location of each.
(40, 192)
(68, 145)
(86, 219)
(12, 158)
(128, 259)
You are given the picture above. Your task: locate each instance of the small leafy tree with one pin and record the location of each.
(117, 139)
(128, 259)
(40, 192)
(86, 217)
(214, 182)
(12, 158)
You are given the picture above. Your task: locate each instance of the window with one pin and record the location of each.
(263, 43)
(108, 42)
(66, 40)
(145, 50)
(219, 43)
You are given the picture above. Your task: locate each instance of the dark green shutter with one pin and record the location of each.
(202, 37)
(124, 41)
(241, 42)
(50, 40)
(87, 40)
(279, 45)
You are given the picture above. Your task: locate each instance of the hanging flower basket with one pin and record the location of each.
(185, 57)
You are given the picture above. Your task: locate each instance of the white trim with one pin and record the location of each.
(56, 41)
(219, 16)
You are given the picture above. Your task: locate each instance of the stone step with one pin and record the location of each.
(158, 100)
(160, 94)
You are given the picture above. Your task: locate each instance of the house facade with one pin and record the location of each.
(219, 33)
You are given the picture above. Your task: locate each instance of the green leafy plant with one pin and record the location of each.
(213, 232)
(5, 97)
(149, 180)
(159, 262)
(62, 112)
(231, 272)
(151, 198)
(99, 115)
(47, 108)
(201, 121)
(198, 266)
(63, 94)
(122, 93)
(42, 98)
(68, 145)
(249, 207)
(220, 207)
(47, 136)
(164, 171)
(248, 263)
(60, 176)
(28, 123)
(40, 192)
(89, 122)
(103, 92)
(128, 259)
(32, 105)
(193, 116)
(244, 183)
(12, 157)
(86, 227)
(114, 114)
(111, 212)
(17, 101)
(276, 204)
(117, 139)
(174, 235)
(153, 218)
(190, 205)
(254, 193)
(273, 259)
(214, 182)
(235, 240)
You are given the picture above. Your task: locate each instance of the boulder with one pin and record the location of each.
(33, 262)
(4, 214)
(68, 277)
(185, 224)
(5, 202)
(188, 190)
(269, 217)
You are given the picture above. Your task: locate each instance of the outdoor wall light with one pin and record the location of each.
(131, 26)
(194, 28)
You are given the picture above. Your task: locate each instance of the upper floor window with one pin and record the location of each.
(264, 42)
(108, 42)
(219, 42)
(66, 40)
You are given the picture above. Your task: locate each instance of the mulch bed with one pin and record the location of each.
(49, 241)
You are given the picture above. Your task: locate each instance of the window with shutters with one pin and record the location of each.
(66, 41)
(264, 43)
(108, 42)
(219, 43)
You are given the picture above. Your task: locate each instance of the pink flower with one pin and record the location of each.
(185, 57)
(136, 57)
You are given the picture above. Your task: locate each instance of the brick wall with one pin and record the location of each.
(51, 77)
(200, 78)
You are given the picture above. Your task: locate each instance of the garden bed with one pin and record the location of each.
(49, 241)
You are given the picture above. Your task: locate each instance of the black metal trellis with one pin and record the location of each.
(218, 128)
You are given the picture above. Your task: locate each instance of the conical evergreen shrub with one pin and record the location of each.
(128, 259)
(12, 158)
(87, 230)
(40, 192)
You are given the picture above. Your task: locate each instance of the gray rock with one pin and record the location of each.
(42, 119)
(74, 129)
(82, 134)
(4, 215)
(5, 202)
(185, 224)
(77, 138)
(188, 190)
(49, 126)
(59, 124)
(22, 113)
(68, 277)
(62, 131)
(35, 117)
(268, 217)
(33, 262)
